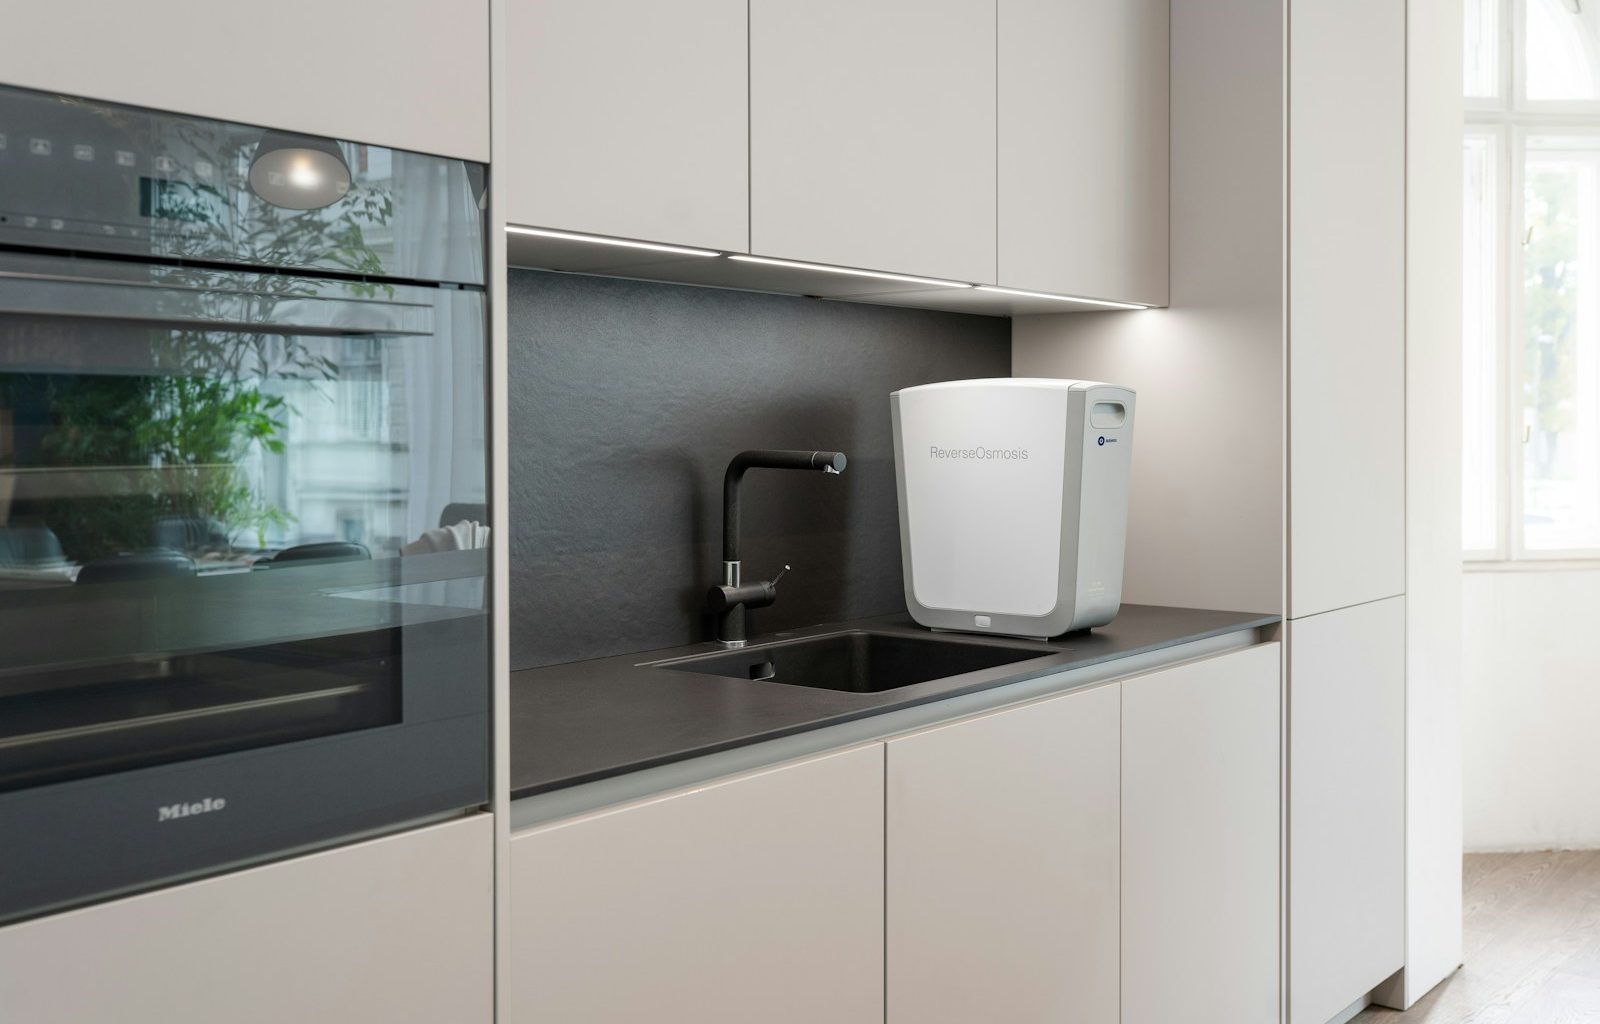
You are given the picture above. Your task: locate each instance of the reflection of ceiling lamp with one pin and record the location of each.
(298, 172)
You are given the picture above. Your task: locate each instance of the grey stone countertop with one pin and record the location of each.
(591, 720)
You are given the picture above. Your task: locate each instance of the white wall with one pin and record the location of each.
(1531, 710)
(1205, 518)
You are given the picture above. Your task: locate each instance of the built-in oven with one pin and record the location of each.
(243, 496)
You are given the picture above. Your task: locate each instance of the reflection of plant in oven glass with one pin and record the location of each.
(171, 446)
(174, 445)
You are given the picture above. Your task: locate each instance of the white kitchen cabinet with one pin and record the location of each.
(1083, 148)
(757, 898)
(410, 74)
(872, 134)
(1002, 866)
(629, 118)
(399, 930)
(1201, 841)
(1346, 304)
(1346, 806)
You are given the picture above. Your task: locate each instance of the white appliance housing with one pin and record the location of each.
(1013, 502)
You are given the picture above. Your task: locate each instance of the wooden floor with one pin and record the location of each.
(1532, 945)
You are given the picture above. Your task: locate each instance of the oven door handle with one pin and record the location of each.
(292, 306)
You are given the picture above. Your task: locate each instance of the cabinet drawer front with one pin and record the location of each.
(759, 898)
(1002, 866)
(1201, 841)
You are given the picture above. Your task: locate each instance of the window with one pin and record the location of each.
(1531, 281)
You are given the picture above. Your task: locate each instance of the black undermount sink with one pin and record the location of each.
(856, 661)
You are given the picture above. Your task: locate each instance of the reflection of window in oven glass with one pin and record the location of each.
(352, 525)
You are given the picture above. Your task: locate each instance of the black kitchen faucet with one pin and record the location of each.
(729, 600)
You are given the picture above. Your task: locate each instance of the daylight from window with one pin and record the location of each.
(1531, 281)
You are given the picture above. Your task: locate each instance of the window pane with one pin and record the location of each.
(1560, 398)
(1480, 419)
(1561, 56)
(1482, 58)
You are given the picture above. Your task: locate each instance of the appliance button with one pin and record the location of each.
(30, 222)
(82, 152)
(202, 168)
(165, 164)
(39, 147)
(56, 223)
(125, 158)
(981, 621)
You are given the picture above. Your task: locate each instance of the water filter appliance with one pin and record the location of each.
(1013, 502)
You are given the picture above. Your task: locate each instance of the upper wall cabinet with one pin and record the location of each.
(629, 118)
(1083, 148)
(872, 134)
(409, 74)
(1347, 67)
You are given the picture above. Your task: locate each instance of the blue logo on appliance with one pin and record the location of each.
(1104, 440)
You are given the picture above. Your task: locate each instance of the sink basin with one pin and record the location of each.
(856, 661)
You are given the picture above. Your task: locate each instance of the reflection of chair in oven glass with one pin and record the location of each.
(323, 551)
(157, 563)
(29, 546)
(458, 511)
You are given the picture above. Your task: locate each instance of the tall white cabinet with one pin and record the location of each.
(1296, 286)
(1347, 810)
(1346, 303)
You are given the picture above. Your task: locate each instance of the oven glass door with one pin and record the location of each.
(237, 512)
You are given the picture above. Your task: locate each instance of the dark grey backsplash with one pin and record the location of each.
(627, 399)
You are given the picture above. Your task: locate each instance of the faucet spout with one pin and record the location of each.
(826, 462)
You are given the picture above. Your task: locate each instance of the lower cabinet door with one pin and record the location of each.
(755, 899)
(1347, 814)
(1201, 841)
(1002, 866)
(398, 930)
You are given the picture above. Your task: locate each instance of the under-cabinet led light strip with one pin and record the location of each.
(827, 269)
(1059, 298)
(933, 282)
(571, 236)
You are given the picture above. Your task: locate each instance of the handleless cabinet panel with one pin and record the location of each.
(757, 898)
(1201, 841)
(1083, 148)
(629, 118)
(1346, 304)
(399, 930)
(411, 74)
(872, 134)
(1002, 866)
(1347, 787)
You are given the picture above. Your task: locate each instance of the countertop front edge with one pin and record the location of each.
(541, 809)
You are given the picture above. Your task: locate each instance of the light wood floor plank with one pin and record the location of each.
(1532, 945)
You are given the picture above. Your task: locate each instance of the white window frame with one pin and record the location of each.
(1509, 118)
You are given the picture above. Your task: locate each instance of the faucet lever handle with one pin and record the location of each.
(778, 577)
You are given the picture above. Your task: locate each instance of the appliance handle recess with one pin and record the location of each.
(215, 301)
